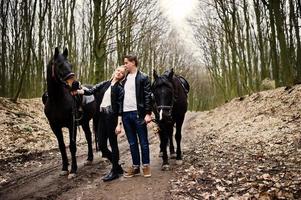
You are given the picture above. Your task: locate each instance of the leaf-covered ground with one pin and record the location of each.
(25, 133)
(247, 149)
(24, 128)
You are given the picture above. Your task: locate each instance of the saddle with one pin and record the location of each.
(80, 100)
(184, 83)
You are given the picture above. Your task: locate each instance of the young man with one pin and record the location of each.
(136, 115)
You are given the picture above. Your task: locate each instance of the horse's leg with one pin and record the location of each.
(59, 135)
(72, 147)
(178, 138)
(163, 147)
(88, 135)
(171, 146)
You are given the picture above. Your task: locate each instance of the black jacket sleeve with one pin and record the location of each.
(95, 89)
(147, 96)
(120, 98)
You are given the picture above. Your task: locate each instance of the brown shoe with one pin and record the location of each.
(147, 171)
(131, 172)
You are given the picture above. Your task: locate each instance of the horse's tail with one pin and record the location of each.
(95, 127)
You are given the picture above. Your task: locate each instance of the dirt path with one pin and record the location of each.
(40, 179)
(249, 148)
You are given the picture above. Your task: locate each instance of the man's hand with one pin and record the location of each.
(118, 129)
(147, 118)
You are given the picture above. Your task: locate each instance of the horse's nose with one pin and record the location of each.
(165, 115)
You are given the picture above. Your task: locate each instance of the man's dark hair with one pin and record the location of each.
(131, 58)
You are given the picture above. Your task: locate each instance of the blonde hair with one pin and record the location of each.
(125, 72)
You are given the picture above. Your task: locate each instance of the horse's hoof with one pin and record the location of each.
(64, 173)
(179, 162)
(173, 155)
(88, 162)
(71, 175)
(160, 154)
(165, 167)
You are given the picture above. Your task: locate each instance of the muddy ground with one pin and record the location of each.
(248, 148)
(32, 171)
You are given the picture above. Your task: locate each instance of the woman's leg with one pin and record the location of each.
(103, 136)
(112, 118)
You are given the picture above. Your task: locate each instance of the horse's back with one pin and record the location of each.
(181, 87)
(180, 104)
(184, 83)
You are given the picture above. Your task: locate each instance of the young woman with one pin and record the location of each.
(109, 95)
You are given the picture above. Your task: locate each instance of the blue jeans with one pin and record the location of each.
(134, 126)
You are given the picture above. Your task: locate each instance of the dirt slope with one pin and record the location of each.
(247, 149)
(25, 133)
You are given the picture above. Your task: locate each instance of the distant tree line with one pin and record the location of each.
(247, 42)
(98, 33)
(244, 43)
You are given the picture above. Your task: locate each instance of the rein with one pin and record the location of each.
(160, 108)
(52, 72)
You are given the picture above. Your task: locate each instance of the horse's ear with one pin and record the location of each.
(65, 53)
(170, 74)
(155, 74)
(56, 52)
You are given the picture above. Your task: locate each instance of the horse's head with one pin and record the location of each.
(163, 92)
(60, 70)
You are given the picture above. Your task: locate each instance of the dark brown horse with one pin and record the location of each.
(60, 110)
(170, 95)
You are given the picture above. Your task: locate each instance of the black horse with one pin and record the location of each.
(170, 96)
(60, 109)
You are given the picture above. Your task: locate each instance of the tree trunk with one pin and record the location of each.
(285, 64)
(297, 33)
(30, 25)
(4, 16)
(274, 54)
(263, 67)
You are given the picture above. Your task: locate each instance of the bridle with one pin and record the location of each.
(58, 79)
(160, 108)
(165, 107)
(52, 71)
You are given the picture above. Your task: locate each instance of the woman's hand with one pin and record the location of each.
(75, 92)
(81, 91)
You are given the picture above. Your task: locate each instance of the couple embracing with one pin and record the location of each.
(124, 101)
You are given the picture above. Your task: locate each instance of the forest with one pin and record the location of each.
(244, 43)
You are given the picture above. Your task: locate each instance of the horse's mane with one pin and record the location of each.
(163, 80)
